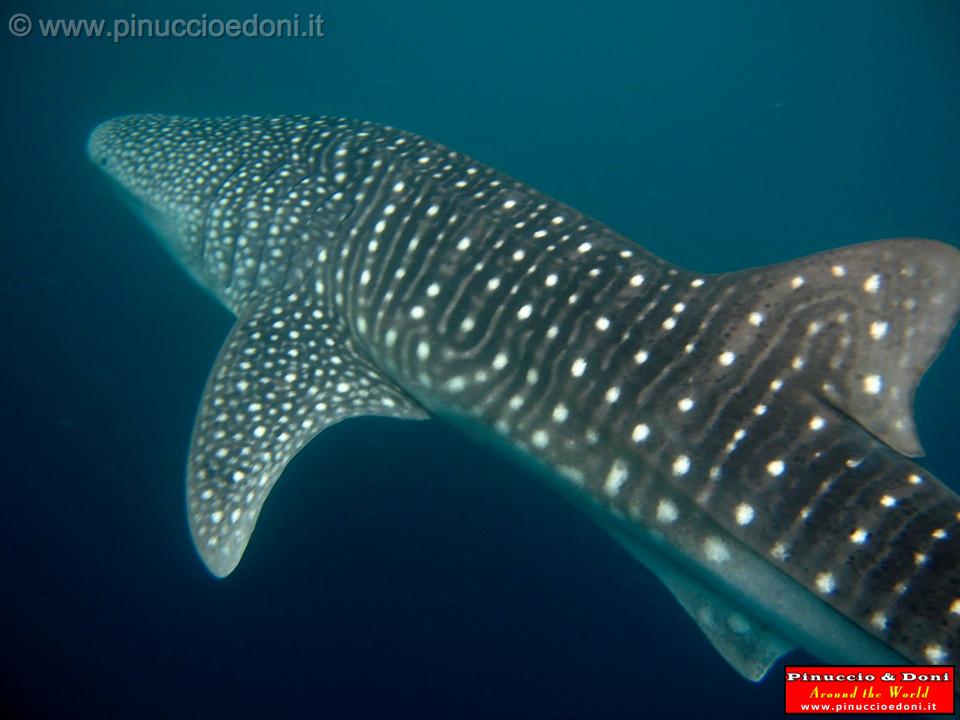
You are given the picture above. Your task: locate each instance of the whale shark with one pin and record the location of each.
(748, 436)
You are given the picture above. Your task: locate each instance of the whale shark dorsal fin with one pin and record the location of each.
(287, 371)
(888, 308)
(750, 647)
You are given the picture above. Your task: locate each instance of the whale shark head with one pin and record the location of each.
(156, 169)
(240, 201)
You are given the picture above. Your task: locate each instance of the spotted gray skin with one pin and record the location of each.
(745, 434)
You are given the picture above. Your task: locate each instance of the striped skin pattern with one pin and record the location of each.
(766, 411)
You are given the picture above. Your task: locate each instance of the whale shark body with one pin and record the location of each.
(745, 435)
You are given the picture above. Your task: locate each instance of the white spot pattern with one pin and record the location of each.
(715, 550)
(667, 512)
(578, 368)
(872, 384)
(859, 536)
(615, 478)
(825, 583)
(776, 468)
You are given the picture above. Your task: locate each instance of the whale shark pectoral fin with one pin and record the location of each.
(744, 642)
(286, 372)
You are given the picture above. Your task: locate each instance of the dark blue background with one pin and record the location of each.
(400, 570)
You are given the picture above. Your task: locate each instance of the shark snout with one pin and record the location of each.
(98, 144)
(130, 150)
(113, 145)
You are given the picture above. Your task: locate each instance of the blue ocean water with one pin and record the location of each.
(401, 570)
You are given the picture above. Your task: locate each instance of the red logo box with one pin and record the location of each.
(869, 689)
